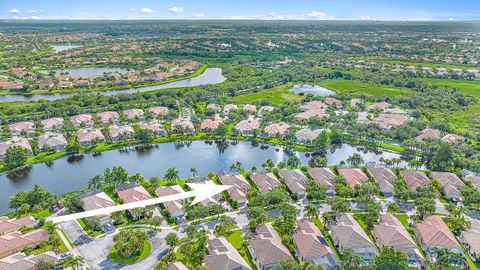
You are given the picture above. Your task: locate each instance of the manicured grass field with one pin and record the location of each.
(467, 87)
(147, 247)
(277, 96)
(235, 238)
(361, 88)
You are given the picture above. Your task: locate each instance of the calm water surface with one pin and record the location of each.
(68, 174)
(209, 76)
(59, 48)
(309, 89)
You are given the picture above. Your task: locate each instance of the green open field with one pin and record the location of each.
(277, 96)
(467, 87)
(361, 88)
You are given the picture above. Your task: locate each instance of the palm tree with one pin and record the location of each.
(95, 182)
(171, 174)
(77, 262)
(355, 159)
(311, 211)
(328, 219)
(194, 171)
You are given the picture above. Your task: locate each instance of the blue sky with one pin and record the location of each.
(456, 10)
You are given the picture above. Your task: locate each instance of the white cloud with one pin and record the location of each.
(176, 9)
(32, 11)
(199, 15)
(147, 10)
(14, 11)
(312, 15)
(133, 10)
(318, 15)
(35, 18)
(450, 19)
(365, 18)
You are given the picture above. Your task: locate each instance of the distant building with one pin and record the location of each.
(175, 208)
(156, 111)
(415, 179)
(265, 182)
(97, 200)
(312, 246)
(82, 119)
(222, 255)
(55, 141)
(276, 129)
(390, 232)
(177, 266)
(8, 225)
(453, 139)
(385, 179)
(348, 234)
(18, 128)
(86, 137)
(353, 176)
(134, 113)
(121, 133)
(106, 117)
(247, 127)
(450, 183)
(52, 123)
(238, 191)
(129, 193)
(295, 180)
(267, 249)
(15, 241)
(307, 135)
(15, 141)
(433, 233)
(324, 177)
(20, 261)
(429, 133)
(471, 239)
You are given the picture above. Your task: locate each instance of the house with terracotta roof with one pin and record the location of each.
(346, 233)
(106, 117)
(134, 113)
(429, 133)
(156, 111)
(385, 179)
(51, 124)
(247, 127)
(388, 120)
(474, 178)
(251, 109)
(15, 241)
(380, 105)
(8, 225)
(175, 208)
(177, 266)
(20, 261)
(303, 116)
(353, 176)
(453, 139)
(450, 183)
(155, 127)
(22, 127)
(214, 107)
(15, 141)
(265, 182)
(471, 239)
(264, 109)
(334, 102)
(82, 119)
(295, 180)
(267, 249)
(276, 129)
(389, 232)
(240, 186)
(313, 105)
(433, 233)
(86, 137)
(97, 200)
(121, 133)
(55, 141)
(229, 107)
(355, 103)
(324, 177)
(183, 126)
(222, 255)
(133, 192)
(415, 179)
(312, 247)
(211, 124)
(307, 135)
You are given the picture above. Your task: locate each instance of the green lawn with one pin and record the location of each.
(235, 238)
(467, 87)
(147, 247)
(361, 88)
(277, 96)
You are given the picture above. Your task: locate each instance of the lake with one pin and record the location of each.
(209, 76)
(68, 174)
(59, 48)
(311, 89)
(87, 72)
